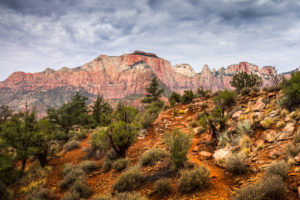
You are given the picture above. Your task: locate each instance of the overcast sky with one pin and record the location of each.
(36, 34)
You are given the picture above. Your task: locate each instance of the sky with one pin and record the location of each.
(37, 34)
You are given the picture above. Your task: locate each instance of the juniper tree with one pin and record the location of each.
(154, 92)
(243, 79)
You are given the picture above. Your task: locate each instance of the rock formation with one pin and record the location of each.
(115, 77)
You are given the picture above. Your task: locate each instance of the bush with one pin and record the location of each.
(273, 186)
(71, 196)
(188, 96)
(174, 98)
(291, 92)
(292, 150)
(252, 192)
(129, 180)
(203, 93)
(194, 124)
(107, 164)
(245, 90)
(162, 187)
(279, 168)
(120, 164)
(81, 188)
(71, 145)
(68, 167)
(75, 174)
(255, 89)
(243, 79)
(193, 180)
(89, 165)
(225, 99)
(82, 134)
(236, 163)
(151, 156)
(39, 193)
(102, 197)
(244, 128)
(179, 144)
(224, 139)
(130, 196)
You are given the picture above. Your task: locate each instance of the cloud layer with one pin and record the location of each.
(36, 34)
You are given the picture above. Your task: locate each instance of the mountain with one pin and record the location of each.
(115, 77)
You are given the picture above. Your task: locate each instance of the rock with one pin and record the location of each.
(289, 129)
(268, 135)
(259, 105)
(196, 148)
(204, 155)
(274, 154)
(274, 113)
(237, 114)
(297, 159)
(221, 155)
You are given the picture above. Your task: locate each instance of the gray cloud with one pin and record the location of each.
(35, 34)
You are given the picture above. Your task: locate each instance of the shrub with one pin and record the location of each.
(225, 99)
(193, 180)
(68, 167)
(245, 90)
(130, 196)
(81, 188)
(162, 187)
(107, 164)
(151, 156)
(267, 123)
(4, 193)
(224, 139)
(120, 164)
(174, 98)
(297, 137)
(82, 134)
(203, 93)
(179, 144)
(71, 145)
(75, 174)
(89, 165)
(188, 96)
(194, 124)
(236, 163)
(102, 197)
(292, 150)
(279, 168)
(242, 79)
(129, 180)
(39, 193)
(273, 186)
(244, 128)
(255, 89)
(252, 192)
(71, 196)
(291, 92)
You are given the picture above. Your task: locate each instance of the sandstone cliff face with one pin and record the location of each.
(116, 77)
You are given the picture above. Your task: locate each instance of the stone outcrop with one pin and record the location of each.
(116, 77)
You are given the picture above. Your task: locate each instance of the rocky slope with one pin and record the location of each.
(115, 77)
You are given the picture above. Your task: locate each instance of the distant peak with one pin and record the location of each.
(142, 53)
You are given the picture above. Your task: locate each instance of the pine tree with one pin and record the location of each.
(154, 92)
(101, 111)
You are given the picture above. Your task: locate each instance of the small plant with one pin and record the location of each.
(130, 196)
(292, 150)
(245, 142)
(81, 188)
(151, 156)
(245, 90)
(71, 196)
(71, 145)
(162, 187)
(129, 180)
(244, 128)
(252, 192)
(203, 93)
(194, 124)
(75, 174)
(188, 96)
(224, 139)
(291, 92)
(120, 164)
(236, 163)
(68, 167)
(102, 197)
(82, 134)
(178, 143)
(193, 180)
(39, 193)
(255, 89)
(107, 164)
(267, 123)
(273, 186)
(279, 168)
(89, 165)
(225, 99)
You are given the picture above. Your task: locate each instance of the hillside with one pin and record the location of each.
(116, 78)
(272, 130)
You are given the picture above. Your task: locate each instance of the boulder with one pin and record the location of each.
(237, 114)
(196, 148)
(269, 135)
(221, 155)
(259, 105)
(204, 155)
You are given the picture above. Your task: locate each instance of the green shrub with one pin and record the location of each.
(174, 98)
(162, 187)
(81, 188)
(120, 164)
(225, 99)
(203, 93)
(279, 168)
(150, 157)
(82, 134)
(194, 124)
(130, 196)
(245, 90)
(39, 193)
(179, 144)
(244, 128)
(243, 79)
(75, 174)
(71, 145)
(255, 89)
(291, 92)
(224, 139)
(89, 165)
(193, 180)
(129, 180)
(107, 164)
(236, 163)
(188, 96)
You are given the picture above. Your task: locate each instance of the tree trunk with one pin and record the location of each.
(23, 166)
